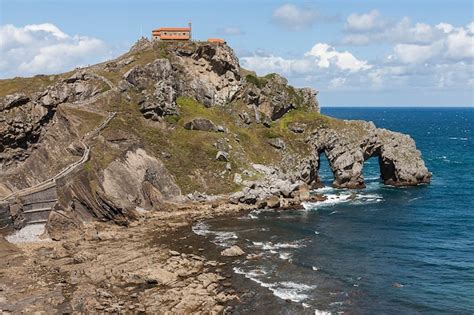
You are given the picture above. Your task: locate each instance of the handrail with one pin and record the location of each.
(48, 183)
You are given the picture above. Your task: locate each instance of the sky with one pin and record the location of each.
(355, 53)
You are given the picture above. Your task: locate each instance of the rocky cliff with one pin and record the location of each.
(188, 122)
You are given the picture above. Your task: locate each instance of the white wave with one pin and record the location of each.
(315, 268)
(284, 256)
(287, 290)
(331, 200)
(200, 228)
(325, 189)
(223, 239)
(456, 138)
(292, 291)
(252, 216)
(318, 312)
(334, 199)
(372, 178)
(274, 246)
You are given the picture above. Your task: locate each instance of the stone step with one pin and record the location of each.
(36, 222)
(39, 201)
(38, 210)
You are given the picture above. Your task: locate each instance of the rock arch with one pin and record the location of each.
(399, 161)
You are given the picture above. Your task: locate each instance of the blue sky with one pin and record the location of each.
(356, 53)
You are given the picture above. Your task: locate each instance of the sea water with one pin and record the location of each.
(386, 251)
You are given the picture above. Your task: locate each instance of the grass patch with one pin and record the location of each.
(259, 82)
(84, 121)
(29, 85)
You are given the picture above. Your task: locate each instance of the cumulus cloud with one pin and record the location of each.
(44, 49)
(364, 22)
(295, 18)
(409, 66)
(320, 56)
(325, 55)
(413, 42)
(455, 44)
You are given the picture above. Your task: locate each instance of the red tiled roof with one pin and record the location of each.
(176, 29)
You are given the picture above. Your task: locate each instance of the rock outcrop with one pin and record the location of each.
(272, 97)
(210, 74)
(347, 148)
(25, 118)
(139, 180)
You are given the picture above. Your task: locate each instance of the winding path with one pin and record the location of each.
(39, 199)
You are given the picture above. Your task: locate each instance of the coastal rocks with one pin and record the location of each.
(273, 202)
(201, 124)
(157, 84)
(140, 180)
(232, 251)
(273, 97)
(346, 150)
(273, 190)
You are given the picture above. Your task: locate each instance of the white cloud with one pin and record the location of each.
(412, 53)
(295, 18)
(44, 49)
(320, 57)
(460, 43)
(364, 22)
(326, 55)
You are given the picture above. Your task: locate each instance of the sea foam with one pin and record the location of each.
(224, 239)
(286, 290)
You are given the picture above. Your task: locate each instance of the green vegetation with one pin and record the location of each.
(29, 85)
(259, 82)
(85, 120)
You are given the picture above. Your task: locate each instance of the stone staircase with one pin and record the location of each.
(38, 205)
(38, 201)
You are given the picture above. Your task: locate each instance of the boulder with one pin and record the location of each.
(13, 100)
(302, 192)
(277, 143)
(273, 202)
(201, 124)
(232, 251)
(237, 178)
(222, 156)
(297, 127)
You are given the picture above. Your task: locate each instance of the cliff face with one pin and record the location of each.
(168, 119)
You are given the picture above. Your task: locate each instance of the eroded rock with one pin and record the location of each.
(232, 251)
(346, 150)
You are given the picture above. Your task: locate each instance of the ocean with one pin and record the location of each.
(389, 250)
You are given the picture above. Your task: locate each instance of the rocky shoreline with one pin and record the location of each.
(156, 264)
(150, 266)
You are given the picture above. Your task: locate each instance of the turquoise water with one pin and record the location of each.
(389, 251)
